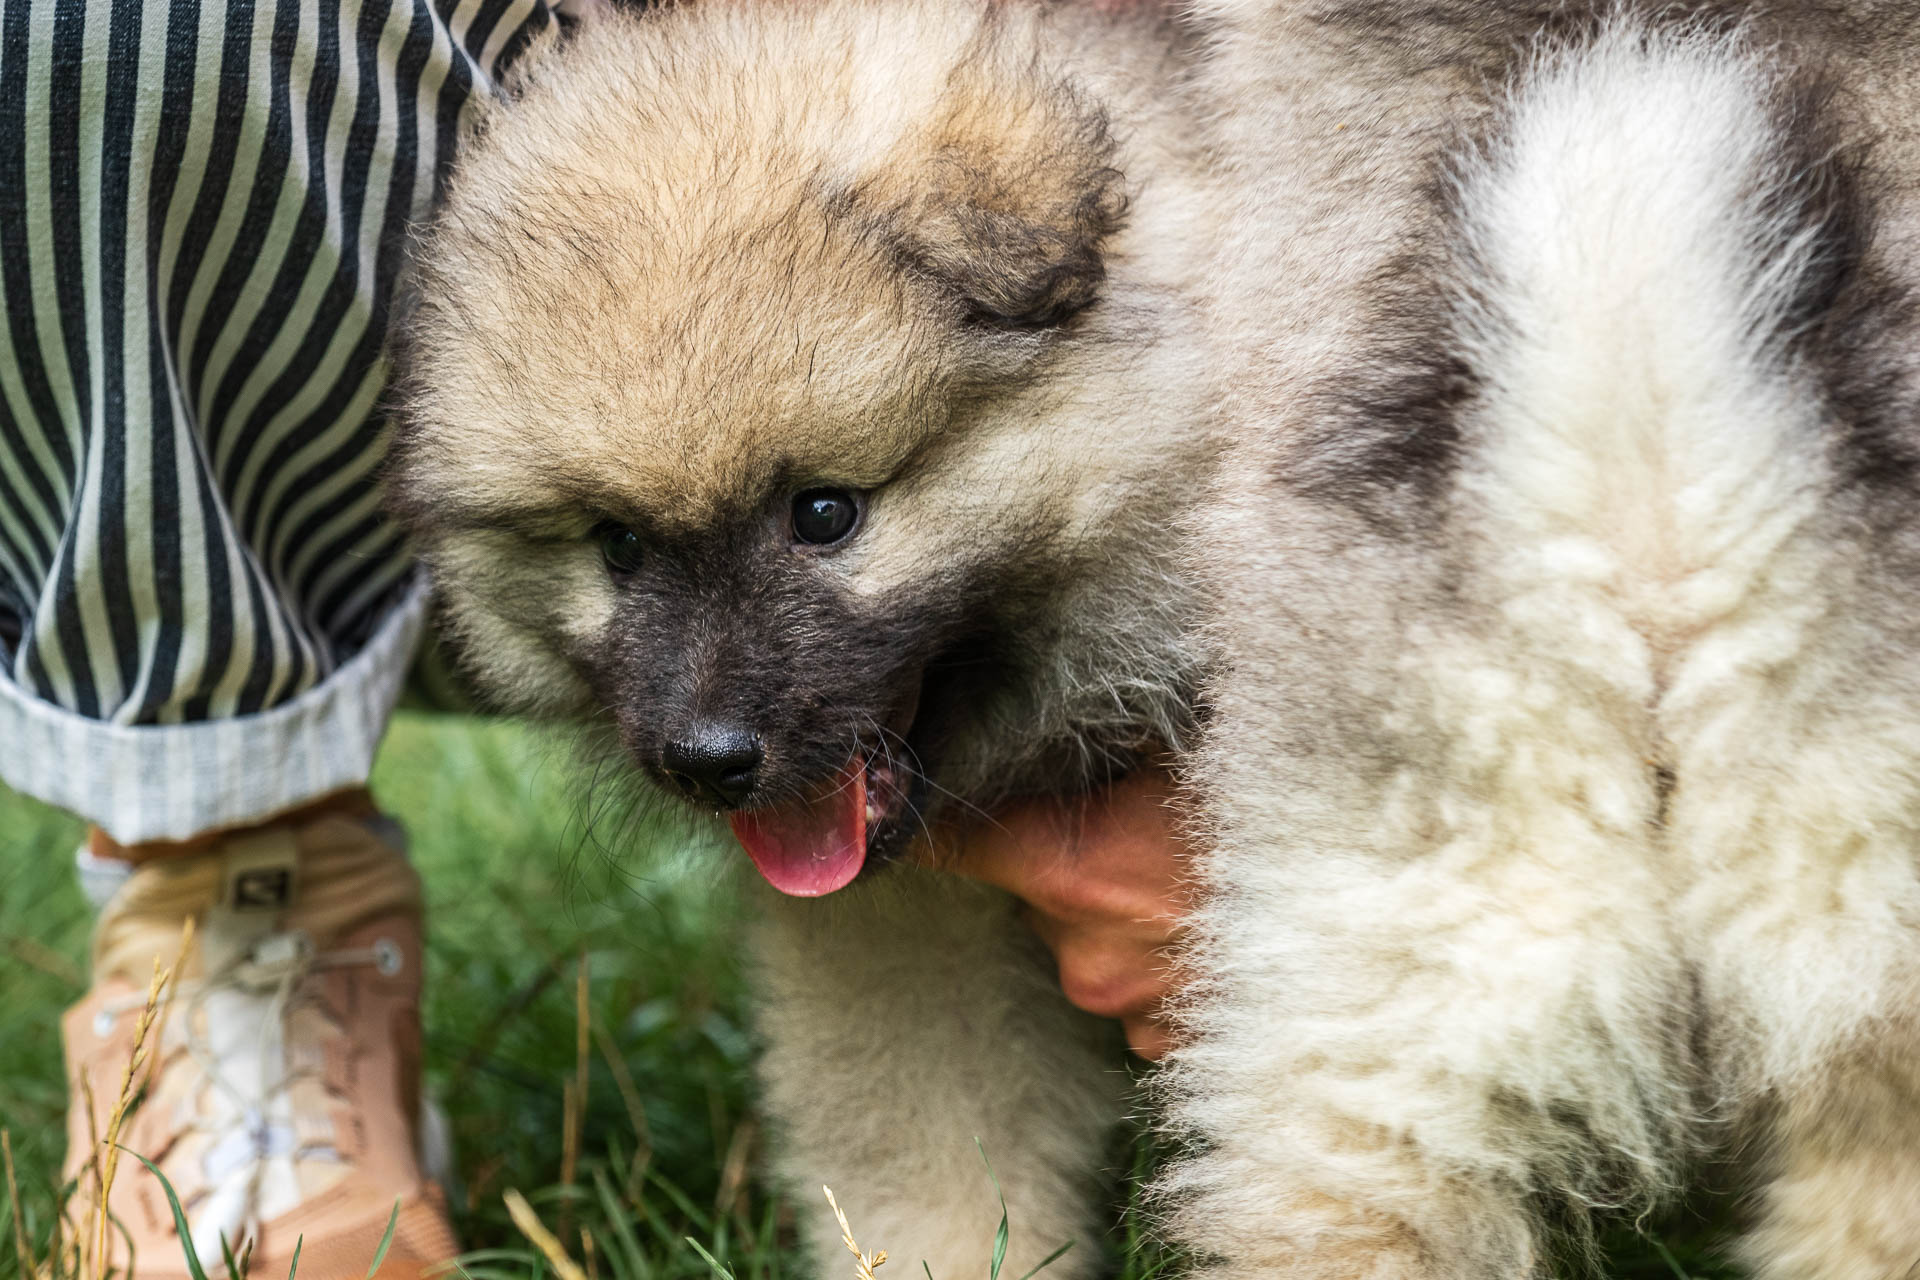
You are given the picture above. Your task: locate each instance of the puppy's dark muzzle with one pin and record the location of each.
(713, 764)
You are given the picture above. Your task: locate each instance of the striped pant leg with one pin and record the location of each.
(204, 618)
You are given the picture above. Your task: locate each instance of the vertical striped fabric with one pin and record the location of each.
(202, 208)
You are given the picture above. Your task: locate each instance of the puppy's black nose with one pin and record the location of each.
(715, 764)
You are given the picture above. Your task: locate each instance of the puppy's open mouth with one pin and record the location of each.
(820, 842)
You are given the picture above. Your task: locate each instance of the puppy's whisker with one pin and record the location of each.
(888, 738)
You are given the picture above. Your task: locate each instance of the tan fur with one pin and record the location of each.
(706, 286)
(701, 254)
(906, 1022)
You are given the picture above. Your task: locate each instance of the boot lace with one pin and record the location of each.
(248, 1166)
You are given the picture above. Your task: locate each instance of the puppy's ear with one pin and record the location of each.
(1014, 193)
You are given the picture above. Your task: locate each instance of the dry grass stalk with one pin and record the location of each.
(106, 1159)
(37, 955)
(63, 1255)
(109, 1155)
(573, 1100)
(27, 1265)
(166, 1004)
(732, 1196)
(535, 1230)
(582, 1031)
(636, 1111)
(569, 1133)
(864, 1263)
(576, 1107)
(91, 1172)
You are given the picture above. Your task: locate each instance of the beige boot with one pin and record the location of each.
(283, 1103)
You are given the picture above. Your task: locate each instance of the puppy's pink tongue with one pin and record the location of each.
(812, 846)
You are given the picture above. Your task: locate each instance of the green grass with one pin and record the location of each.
(519, 890)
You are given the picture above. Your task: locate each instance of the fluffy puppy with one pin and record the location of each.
(1564, 774)
(806, 394)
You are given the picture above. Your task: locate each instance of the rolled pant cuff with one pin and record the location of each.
(174, 782)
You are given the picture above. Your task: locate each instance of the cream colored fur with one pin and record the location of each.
(1463, 953)
(906, 1022)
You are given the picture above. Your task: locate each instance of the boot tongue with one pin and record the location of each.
(811, 846)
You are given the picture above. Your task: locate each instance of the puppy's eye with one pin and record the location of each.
(821, 516)
(620, 548)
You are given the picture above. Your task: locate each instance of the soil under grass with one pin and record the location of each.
(520, 889)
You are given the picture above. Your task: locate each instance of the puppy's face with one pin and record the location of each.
(757, 387)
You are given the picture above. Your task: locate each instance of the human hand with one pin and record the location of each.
(1105, 881)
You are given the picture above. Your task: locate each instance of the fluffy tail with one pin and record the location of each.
(1648, 241)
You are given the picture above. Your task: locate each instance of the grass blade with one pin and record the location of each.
(723, 1272)
(386, 1241)
(1001, 1233)
(226, 1255)
(681, 1201)
(1048, 1261)
(521, 1256)
(194, 1268)
(634, 1264)
(766, 1251)
(1666, 1255)
(293, 1268)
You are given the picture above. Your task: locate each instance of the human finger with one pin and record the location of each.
(1148, 1035)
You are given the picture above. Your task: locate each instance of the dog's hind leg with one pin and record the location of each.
(904, 1020)
(1441, 986)
(1843, 1198)
(1799, 813)
(1796, 734)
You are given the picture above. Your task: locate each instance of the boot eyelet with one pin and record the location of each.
(388, 958)
(103, 1023)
